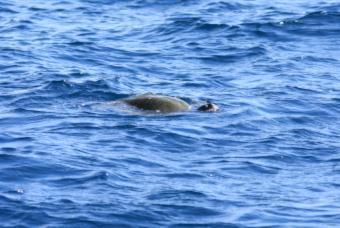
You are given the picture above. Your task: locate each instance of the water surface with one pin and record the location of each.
(270, 157)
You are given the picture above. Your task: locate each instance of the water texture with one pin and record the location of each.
(270, 157)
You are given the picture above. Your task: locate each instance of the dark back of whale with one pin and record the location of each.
(156, 103)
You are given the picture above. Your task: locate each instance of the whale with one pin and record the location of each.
(157, 103)
(164, 104)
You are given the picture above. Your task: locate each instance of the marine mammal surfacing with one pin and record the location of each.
(157, 103)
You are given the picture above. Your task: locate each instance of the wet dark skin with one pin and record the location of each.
(165, 104)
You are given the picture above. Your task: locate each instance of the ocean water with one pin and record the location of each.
(269, 158)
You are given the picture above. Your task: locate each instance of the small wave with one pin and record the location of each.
(320, 17)
(221, 6)
(236, 56)
(158, 3)
(142, 162)
(80, 43)
(189, 176)
(6, 138)
(188, 24)
(189, 210)
(318, 23)
(77, 180)
(36, 9)
(7, 10)
(203, 224)
(90, 90)
(176, 194)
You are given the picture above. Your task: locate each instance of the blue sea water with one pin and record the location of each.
(269, 158)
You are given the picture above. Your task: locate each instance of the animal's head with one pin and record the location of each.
(208, 107)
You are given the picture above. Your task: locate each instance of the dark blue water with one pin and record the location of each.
(270, 157)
